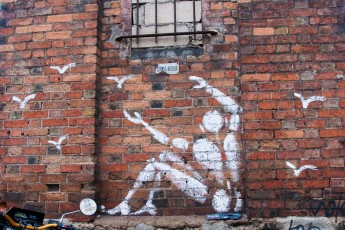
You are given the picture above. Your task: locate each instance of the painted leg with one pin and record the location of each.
(171, 157)
(239, 202)
(221, 201)
(149, 207)
(187, 184)
(232, 154)
(148, 174)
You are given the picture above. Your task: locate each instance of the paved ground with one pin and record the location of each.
(200, 223)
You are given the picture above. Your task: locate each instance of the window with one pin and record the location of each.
(164, 23)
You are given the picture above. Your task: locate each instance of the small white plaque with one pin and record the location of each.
(169, 68)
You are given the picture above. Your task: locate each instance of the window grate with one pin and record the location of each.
(194, 32)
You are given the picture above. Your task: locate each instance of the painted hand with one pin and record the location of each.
(202, 82)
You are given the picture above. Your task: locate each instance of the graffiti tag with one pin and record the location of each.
(301, 227)
(331, 208)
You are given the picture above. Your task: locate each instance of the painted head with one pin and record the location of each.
(213, 121)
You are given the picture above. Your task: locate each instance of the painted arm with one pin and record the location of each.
(229, 104)
(159, 136)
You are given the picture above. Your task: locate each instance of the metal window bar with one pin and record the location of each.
(175, 26)
(156, 20)
(156, 34)
(194, 22)
(137, 20)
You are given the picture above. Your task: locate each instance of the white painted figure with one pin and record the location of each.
(63, 69)
(23, 102)
(120, 81)
(59, 142)
(207, 154)
(297, 171)
(305, 102)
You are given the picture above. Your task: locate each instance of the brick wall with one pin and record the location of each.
(36, 35)
(292, 47)
(265, 53)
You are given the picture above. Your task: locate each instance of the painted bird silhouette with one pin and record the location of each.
(23, 102)
(299, 170)
(305, 102)
(58, 143)
(63, 69)
(340, 76)
(120, 81)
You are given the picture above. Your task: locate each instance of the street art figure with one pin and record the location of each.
(207, 154)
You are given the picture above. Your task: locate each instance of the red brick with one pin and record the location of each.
(55, 122)
(255, 59)
(81, 121)
(15, 141)
(33, 168)
(58, 35)
(35, 114)
(260, 135)
(258, 115)
(287, 134)
(261, 174)
(288, 114)
(285, 77)
(15, 124)
(261, 156)
(263, 31)
(60, 18)
(69, 168)
(315, 183)
(255, 77)
(332, 133)
(84, 16)
(256, 96)
(270, 125)
(267, 105)
(331, 113)
(13, 160)
(310, 144)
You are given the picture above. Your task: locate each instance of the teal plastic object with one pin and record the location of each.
(224, 216)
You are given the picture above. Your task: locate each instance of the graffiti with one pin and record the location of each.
(331, 208)
(305, 102)
(301, 227)
(120, 81)
(23, 102)
(58, 143)
(63, 69)
(172, 167)
(297, 171)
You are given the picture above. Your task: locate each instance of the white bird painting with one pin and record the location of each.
(63, 69)
(120, 81)
(340, 76)
(305, 102)
(297, 171)
(58, 143)
(23, 102)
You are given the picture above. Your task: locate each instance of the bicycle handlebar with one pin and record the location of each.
(21, 226)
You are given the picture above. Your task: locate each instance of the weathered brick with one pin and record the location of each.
(263, 31)
(58, 35)
(282, 134)
(59, 18)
